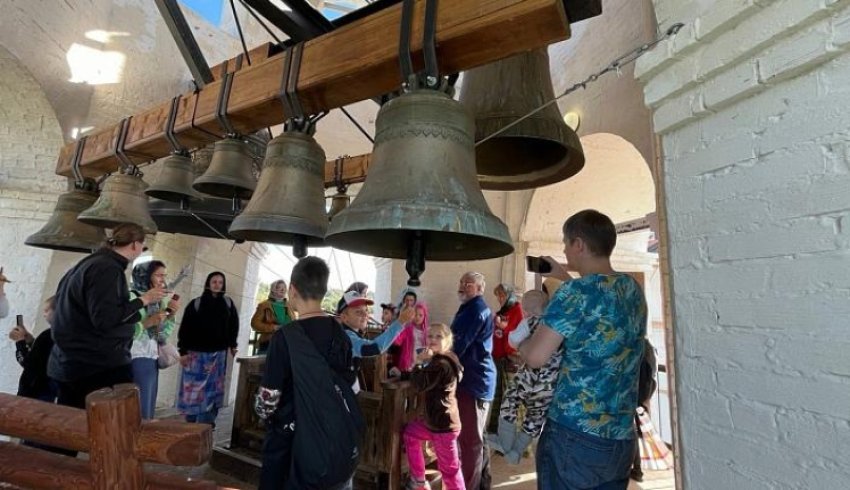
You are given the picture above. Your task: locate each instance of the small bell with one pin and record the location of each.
(62, 231)
(122, 200)
(339, 201)
(174, 182)
(229, 173)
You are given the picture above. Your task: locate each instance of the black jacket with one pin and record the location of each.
(94, 318)
(212, 327)
(34, 382)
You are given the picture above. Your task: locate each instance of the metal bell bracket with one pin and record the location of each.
(297, 120)
(81, 182)
(339, 163)
(430, 77)
(127, 165)
(177, 148)
(221, 106)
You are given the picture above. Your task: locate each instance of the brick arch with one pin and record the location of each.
(615, 180)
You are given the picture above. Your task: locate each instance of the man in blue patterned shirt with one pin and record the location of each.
(589, 440)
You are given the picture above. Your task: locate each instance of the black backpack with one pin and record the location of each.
(329, 425)
(646, 380)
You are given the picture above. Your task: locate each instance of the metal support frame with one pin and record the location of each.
(176, 147)
(298, 24)
(127, 165)
(185, 40)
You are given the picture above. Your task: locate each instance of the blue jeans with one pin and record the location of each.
(146, 377)
(204, 418)
(574, 460)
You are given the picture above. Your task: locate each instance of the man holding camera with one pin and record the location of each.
(600, 318)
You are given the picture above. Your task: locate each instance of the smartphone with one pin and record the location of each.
(175, 298)
(20, 320)
(537, 265)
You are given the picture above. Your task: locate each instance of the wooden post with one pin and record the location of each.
(115, 422)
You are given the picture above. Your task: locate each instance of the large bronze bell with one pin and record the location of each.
(421, 192)
(174, 182)
(229, 174)
(63, 232)
(122, 200)
(289, 204)
(538, 151)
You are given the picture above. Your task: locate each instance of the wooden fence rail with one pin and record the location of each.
(111, 431)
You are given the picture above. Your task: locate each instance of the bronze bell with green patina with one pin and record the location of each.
(288, 206)
(62, 230)
(421, 199)
(539, 150)
(122, 200)
(229, 174)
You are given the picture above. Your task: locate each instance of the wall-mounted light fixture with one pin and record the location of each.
(573, 120)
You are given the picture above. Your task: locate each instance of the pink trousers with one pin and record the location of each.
(445, 445)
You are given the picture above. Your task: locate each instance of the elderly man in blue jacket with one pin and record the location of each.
(472, 328)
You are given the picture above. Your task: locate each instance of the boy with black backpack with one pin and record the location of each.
(314, 425)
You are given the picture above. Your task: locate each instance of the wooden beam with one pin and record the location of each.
(28, 467)
(160, 441)
(356, 62)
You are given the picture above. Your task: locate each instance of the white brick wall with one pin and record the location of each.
(751, 106)
(29, 140)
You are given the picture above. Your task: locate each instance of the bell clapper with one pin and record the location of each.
(415, 263)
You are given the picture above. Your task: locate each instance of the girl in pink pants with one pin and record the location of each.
(435, 376)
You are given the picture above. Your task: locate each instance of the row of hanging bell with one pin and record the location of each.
(177, 207)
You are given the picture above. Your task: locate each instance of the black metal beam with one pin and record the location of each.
(364, 12)
(296, 25)
(304, 13)
(186, 43)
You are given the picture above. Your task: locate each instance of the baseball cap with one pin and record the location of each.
(388, 306)
(352, 298)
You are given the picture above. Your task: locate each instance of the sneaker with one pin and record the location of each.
(417, 485)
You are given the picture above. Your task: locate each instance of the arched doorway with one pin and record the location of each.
(617, 181)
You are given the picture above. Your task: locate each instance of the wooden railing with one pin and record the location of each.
(111, 431)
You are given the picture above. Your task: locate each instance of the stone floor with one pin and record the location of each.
(505, 476)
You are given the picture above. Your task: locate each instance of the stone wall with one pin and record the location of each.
(750, 101)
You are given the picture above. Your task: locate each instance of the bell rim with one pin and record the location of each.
(49, 245)
(247, 227)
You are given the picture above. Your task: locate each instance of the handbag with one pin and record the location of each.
(167, 355)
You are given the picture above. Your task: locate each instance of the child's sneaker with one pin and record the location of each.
(417, 485)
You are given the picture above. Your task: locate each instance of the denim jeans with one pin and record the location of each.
(573, 460)
(146, 377)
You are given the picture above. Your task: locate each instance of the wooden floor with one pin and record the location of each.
(505, 476)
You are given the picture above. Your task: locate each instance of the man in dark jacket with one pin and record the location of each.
(472, 329)
(95, 320)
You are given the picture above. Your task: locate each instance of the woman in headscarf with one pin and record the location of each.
(506, 321)
(208, 331)
(271, 314)
(153, 328)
